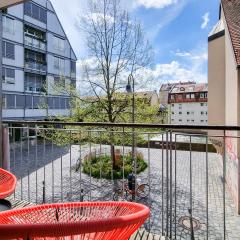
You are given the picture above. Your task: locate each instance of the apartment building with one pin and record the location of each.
(37, 56)
(188, 104)
(224, 88)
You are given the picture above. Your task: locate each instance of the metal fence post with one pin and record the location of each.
(5, 148)
(1, 105)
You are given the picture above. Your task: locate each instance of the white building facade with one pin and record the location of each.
(37, 56)
(188, 105)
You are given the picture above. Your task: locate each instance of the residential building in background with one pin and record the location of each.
(37, 56)
(165, 90)
(188, 104)
(224, 88)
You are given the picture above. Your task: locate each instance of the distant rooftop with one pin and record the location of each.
(200, 87)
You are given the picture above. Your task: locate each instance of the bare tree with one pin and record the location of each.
(117, 48)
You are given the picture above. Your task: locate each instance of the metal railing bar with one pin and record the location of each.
(70, 169)
(36, 169)
(175, 187)
(207, 182)
(170, 184)
(162, 188)
(167, 186)
(21, 161)
(130, 125)
(129, 131)
(224, 186)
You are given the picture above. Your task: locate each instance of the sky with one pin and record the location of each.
(176, 29)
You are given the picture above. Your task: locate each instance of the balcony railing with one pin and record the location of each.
(35, 66)
(191, 171)
(35, 43)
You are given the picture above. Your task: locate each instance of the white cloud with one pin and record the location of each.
(206, 19)
(155, 3)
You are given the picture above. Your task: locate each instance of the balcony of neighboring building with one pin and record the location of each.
(188, 97)
(34, 38)
(35, 61)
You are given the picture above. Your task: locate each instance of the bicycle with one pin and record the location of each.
(121, 194)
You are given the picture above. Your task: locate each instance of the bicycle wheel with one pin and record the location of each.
(143, 190)
(120, 195)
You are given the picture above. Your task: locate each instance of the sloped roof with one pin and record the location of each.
(231, 9)
(168, 86)
(190, 88)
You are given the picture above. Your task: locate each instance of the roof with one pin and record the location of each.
(168, 86)
(219, 27)
(231, 9)
(190, 88)
(8, 3)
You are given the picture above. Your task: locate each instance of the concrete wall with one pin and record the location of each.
(216, 81)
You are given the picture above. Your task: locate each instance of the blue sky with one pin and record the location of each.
(177, 30)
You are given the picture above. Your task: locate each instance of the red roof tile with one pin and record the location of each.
(231, 9)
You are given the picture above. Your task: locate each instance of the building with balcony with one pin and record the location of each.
(37, 55)
(224, 87)
(188, 104)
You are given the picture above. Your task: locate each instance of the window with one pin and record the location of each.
(59, 64)
(180, 120)
(188, 113)
(34, 83)
(172, 120)
(58, 44)
(202, 113)
(206, 95)
(192, 120)
(10, 101)
(4, 101)
(172, 113)
(8, 25)
(202, 120)
(187, 96)
(180, 106)
(36, 12)
(172, 105)
(179, 96)
(38, 102)
(202, 95)
(8, 50)
(180, 113)
(8, 75)
(172, 97)
(202, 104)
(192, 96)
(20, 101)
(73, 67)
(29, 102)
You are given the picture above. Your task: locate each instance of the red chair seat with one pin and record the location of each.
(7, 183)
(92, 221)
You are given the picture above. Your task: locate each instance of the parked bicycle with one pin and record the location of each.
(128, 189)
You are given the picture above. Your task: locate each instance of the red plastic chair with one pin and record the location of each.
(74, 221)
(7, 183)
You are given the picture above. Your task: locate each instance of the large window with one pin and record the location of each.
(8, 75)
(36, 12)
(8, 50)
(73, 67)
(8, 25)
(34, 83)
(59, 64)
(58, 44)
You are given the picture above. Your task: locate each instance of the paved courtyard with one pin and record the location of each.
(170, 196)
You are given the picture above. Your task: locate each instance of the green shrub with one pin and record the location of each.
(101, 166)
